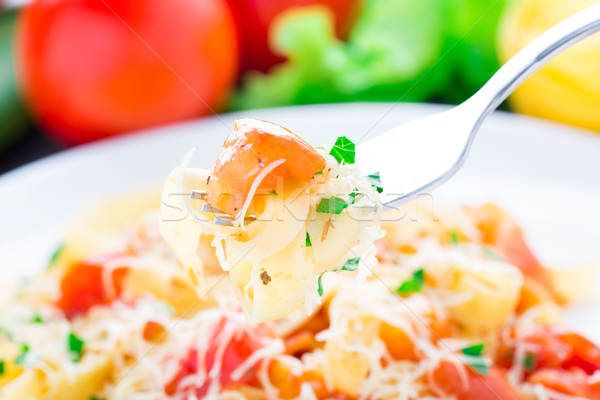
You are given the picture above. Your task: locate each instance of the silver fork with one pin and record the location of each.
(422, 154)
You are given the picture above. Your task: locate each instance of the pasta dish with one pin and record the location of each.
(276, 275)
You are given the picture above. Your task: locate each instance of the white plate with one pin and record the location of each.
(546, 174)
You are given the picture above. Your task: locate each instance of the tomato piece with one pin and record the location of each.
(299, 343)
(83, 287)
(574, 382)
(555, 349)
(154, 332)
(504, 235)
(253, 145)
(93, 68)
(446, 381)
(242, 341)
(586, 355)
(398, 343)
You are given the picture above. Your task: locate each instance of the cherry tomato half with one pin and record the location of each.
(251, 146)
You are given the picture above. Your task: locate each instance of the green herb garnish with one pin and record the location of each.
(319, 172)
(344, 150)
(475, 359)
(308, 243)
(454, 237)
(375, 180)
(412, 285)
(37, 318)
(352, 196)
(335, 205)
(22, 358)
(530, 362)
(332, 205)
(351, 264)
(56, 254)
(75, 347)
(473, 351)
(320, 284)
(1, 367)
(272, 192)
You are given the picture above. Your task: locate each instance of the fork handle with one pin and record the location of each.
(532, 57)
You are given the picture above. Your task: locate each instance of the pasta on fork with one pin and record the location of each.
(280, 214)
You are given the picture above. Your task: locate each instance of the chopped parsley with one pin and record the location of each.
(412, 285)
(473, 351)
(351, 264)
(1, 367)
(75, 347)
(475, 358)
(308, 242)
(319, 172)
(332, 205)
(375, 180)
(335, 205)
(22, 357)
(353, 195)
(272, 192)
(530, 362)
(344, 150)
(56, 254)
(454, 237)
(320, 284)
(37, 318)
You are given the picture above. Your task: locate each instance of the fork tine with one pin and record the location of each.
(222, 218)
(199, 194)
(227, 220)
(210, 209)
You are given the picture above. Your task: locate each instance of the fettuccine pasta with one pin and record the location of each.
(142, 303)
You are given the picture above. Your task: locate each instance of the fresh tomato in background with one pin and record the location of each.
(254, 18)
(93, 68)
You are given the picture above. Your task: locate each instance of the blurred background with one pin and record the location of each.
(75, 71)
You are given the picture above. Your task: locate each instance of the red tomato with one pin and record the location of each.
(558, 350)
(574, 382)
(254, 18)
(503, 234)
(244, 342)
(154, 332)
(252, 145)
(83, 287)
(446, 381)
(93, 68)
